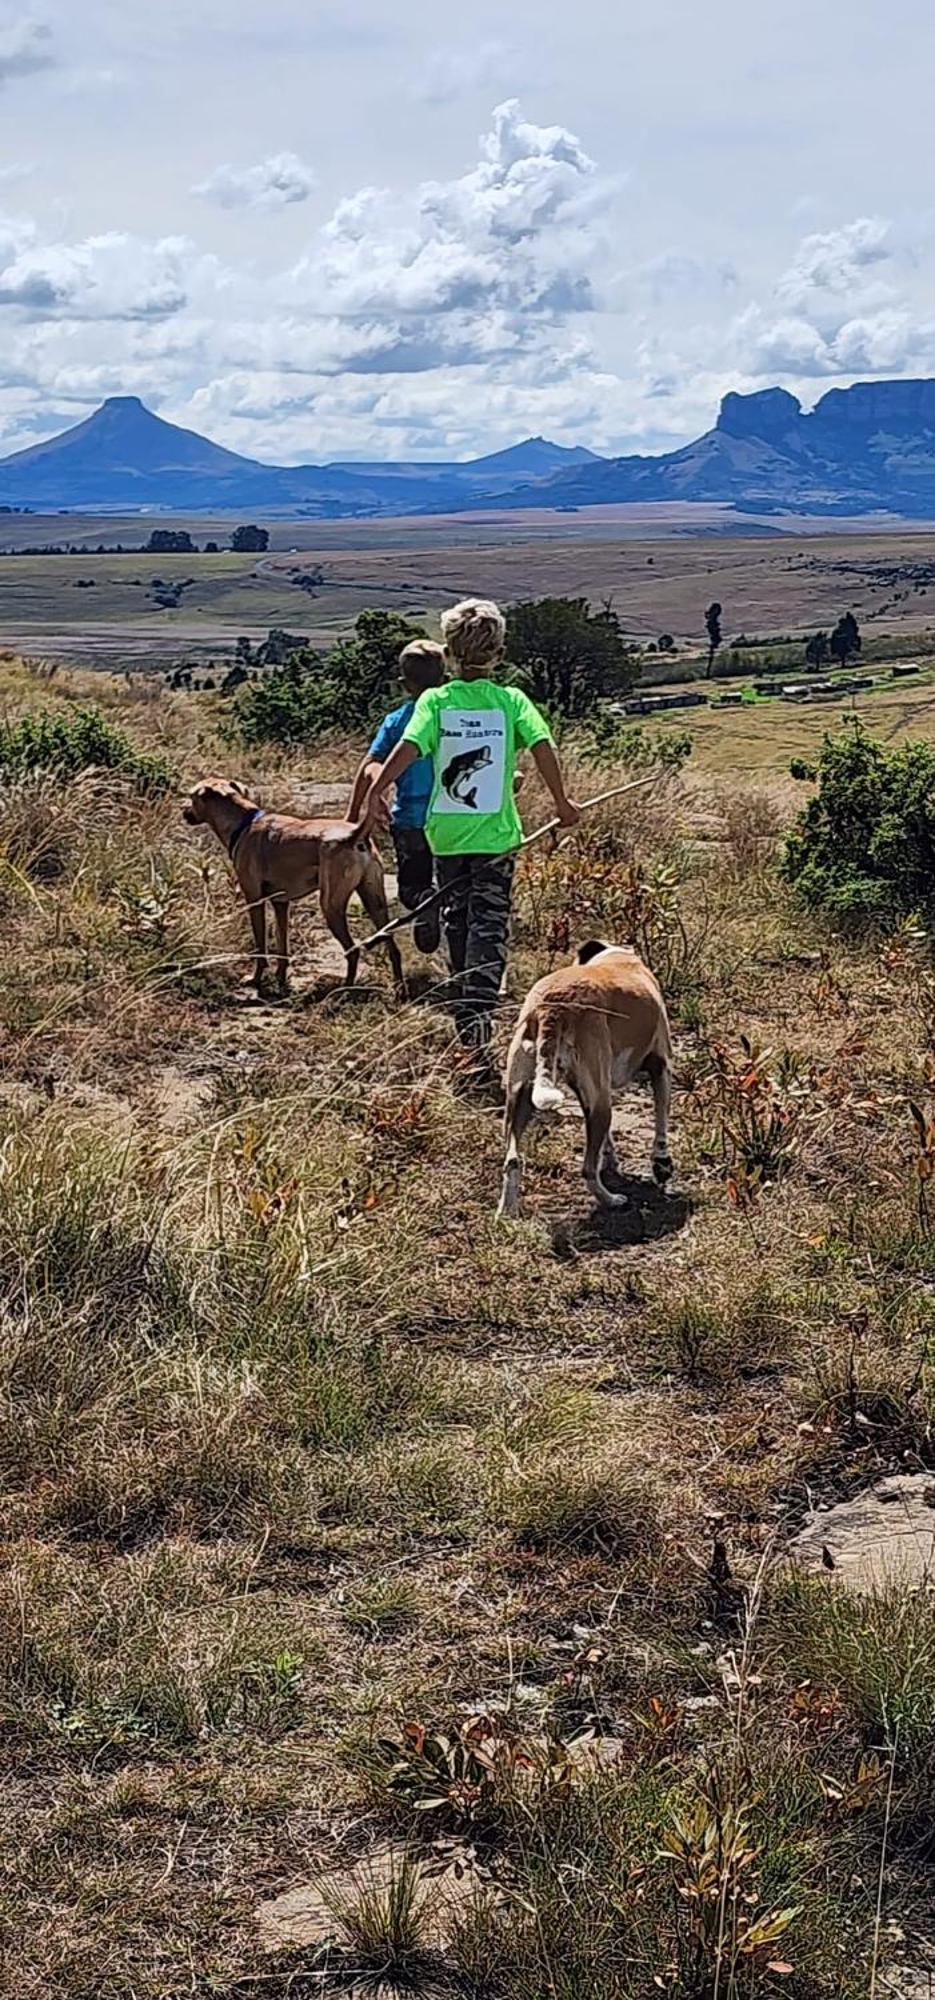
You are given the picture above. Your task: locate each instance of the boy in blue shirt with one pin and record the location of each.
(421, 666)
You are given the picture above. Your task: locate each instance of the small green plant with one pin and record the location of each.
(715, 1863)
(459, 1775)
(693, 1329)
(79, 739)
(384, 1609)
(876, 1652)
(384, 1921)
(751, 1110)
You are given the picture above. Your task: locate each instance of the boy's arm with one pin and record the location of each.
(549, 769)
(368, 769)
(385, 775)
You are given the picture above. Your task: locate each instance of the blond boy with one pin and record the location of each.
(472, 728)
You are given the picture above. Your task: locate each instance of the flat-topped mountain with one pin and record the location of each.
(861, 449)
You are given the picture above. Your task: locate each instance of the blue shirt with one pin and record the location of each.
(414, 789)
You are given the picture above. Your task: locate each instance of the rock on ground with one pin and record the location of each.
(885, 1536)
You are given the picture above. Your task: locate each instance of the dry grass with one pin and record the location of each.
(297, 1447)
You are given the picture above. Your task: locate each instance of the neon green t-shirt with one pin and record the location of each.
(472, 731)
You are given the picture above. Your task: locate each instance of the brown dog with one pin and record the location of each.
(279, 859)
(596, 1024)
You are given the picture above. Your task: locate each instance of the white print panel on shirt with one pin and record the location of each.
(471, 761)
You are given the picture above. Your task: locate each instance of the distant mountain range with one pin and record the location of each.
(124, 456)
(861, 450)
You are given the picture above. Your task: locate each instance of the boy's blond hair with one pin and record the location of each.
(474, 632)
(422, 665)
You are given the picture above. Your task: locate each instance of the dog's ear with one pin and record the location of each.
(592, 949)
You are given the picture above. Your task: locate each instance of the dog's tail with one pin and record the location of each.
(546, 1095)
(347, 833)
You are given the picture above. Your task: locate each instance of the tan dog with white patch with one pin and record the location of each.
(278, 859)
(595, 1025)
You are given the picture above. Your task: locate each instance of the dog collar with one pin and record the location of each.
(255, 813)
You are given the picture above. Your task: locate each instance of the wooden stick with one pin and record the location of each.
(409, 916)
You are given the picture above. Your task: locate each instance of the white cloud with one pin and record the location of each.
(85, 80)
(278, 182)
(837, 261)
(447, 315)
(16, 170)
(113, 276)
(832, 313)
(515, 234)
(25, 47)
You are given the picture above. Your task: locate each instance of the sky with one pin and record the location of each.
(373, 231)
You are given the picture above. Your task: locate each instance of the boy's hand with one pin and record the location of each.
(568, 814)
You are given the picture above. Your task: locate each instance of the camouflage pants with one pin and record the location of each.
(476, 926)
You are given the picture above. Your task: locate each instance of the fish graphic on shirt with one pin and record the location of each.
(456, 774)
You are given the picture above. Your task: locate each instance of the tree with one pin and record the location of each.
(250, 540)
(817, 652)
(665, 643)
(276, 647)
(211, 548)
(712, 619)
(169, 542)
(845, 639)
(567, 656)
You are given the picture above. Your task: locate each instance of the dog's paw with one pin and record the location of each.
(605, 1195)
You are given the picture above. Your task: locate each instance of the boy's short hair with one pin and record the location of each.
(474, 632)
(422, 665)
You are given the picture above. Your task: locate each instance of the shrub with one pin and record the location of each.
(864, 848)
(80, 740)
(609, 740)
(307, 695)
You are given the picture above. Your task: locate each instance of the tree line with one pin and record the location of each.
(247, 539)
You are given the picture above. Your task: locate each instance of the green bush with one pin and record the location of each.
(308, 695)
(76, 740)
(863, 850)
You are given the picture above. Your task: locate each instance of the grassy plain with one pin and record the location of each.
(760, 738)
(299, 1448)
(777, 582)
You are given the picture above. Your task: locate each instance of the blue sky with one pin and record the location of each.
(361, 230)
